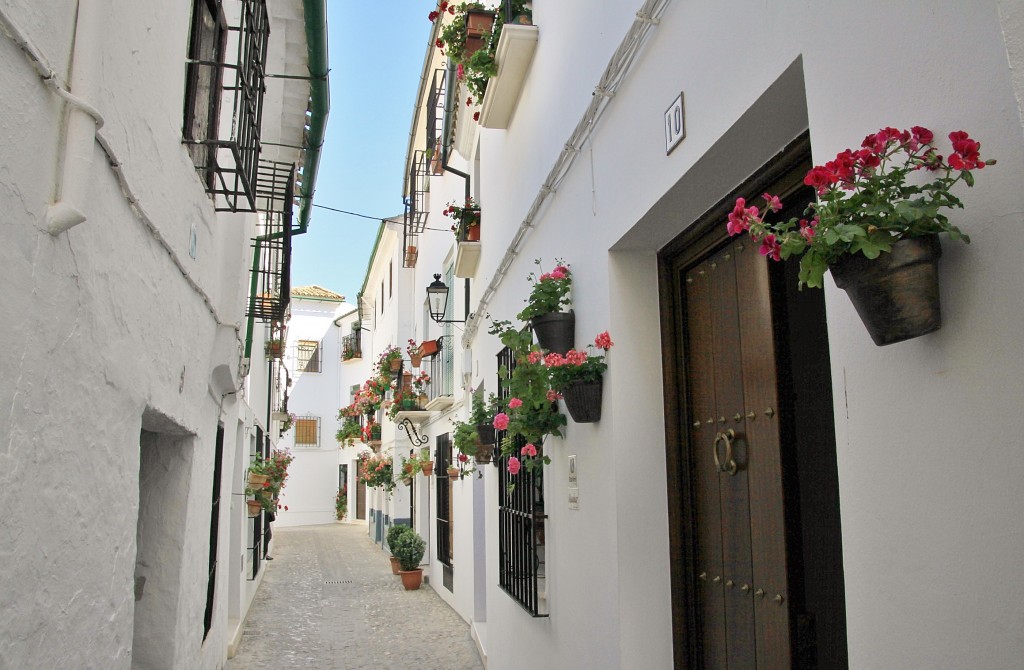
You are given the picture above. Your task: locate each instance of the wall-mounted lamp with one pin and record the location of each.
(437, 299)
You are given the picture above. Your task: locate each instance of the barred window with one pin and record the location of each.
(307, 432)
(309, 356)
(203, 85)
(522, 569)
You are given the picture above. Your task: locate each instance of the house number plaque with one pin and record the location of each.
(675, 124)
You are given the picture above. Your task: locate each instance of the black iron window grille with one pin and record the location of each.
(224, 100)
(307, 432)
(259, 525)
(308, 356)
(522, 570)
(351, 346)
(442, 459)
(270, 290)
(415, 220)
(437, 141)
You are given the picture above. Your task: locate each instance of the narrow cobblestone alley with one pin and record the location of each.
(329, 601)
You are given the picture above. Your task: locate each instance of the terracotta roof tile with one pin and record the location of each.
(315, 291)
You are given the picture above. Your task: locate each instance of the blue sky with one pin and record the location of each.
(376, 54)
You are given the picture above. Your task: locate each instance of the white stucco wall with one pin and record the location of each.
(113, 330)
(927, 430)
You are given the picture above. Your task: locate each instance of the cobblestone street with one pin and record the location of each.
(329, 601)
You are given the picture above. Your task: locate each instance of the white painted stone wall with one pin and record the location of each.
(312, 482)
(928, 430)
(112, 336)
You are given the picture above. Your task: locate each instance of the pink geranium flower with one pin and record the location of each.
(603, 341)
(515, 402)
(513, 465)
(501, 421)
(529, 450)
(554, 395)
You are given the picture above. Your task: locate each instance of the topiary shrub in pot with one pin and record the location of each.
(408, 549)
(395, 532)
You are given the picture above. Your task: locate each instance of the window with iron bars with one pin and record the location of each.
(307, 432)
(442, 459)
(351, 346)
(308, 356)
(226, 66)
(521, 548)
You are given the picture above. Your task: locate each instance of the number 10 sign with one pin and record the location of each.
(675, 125)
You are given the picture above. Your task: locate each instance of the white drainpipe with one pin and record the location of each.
(83, 121)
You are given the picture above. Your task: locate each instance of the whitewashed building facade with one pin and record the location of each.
(887, 536)
(144, 147)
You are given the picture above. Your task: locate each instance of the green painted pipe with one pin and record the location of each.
(315, 14)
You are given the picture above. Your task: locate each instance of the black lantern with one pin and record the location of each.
(437, 299)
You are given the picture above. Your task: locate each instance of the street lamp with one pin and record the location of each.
(437, 299)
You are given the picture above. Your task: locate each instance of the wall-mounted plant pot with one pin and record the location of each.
(583, 400)
(396, 364)
(556, 331)
(453, 474)
(257, 481)
(416, 359)
(427, 468)
(484, 453)
(897, 294)
(254, 507)
(485, 431)
(429, 347)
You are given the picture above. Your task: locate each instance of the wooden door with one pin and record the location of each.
(361, 500)
(739, 539)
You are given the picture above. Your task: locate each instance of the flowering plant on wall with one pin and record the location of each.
(350, 430)
(578, 366)
(893, 187)
(550, 292)
(376, 471)
(466, 217)
(387, 360)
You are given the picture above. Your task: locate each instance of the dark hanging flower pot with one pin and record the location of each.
(485, 431)
(896, 294)
(583, 400)
(484, 453)
(556, 331)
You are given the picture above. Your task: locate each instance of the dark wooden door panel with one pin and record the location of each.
(707, 500)
(761, 433)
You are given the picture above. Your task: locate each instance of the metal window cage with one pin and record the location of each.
(228, 163)
(270, 286)
(522, 570)
(442, 459)
(307, 431)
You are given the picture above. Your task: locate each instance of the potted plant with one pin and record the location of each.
(395, 532)
(578, 376)
(409, 548)
(467, 220)
(531, 413)
(390, 360)
(415, 357)
(555, 328)
(341, 504)
(426, 463)
(375, 470)
(350, 430)
(273, 348)
(875, 225)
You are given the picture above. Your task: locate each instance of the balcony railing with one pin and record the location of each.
(351, 346)
(270, 290)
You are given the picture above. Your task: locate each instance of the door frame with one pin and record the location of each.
(698, 241)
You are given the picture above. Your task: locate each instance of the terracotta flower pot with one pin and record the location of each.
(254, 507)
(411, 579)
(429, 347)
(897, 294)
(427, 468)
(453, 474)
(556, 331)
(473, 233)
(583, 400)
(416, 359)
(394, 565)
(257, 481)
(396, 364)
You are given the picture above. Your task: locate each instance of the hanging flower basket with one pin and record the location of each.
(556, 331)
(257, 481)
(583, 400)
(453, 474)
(896, 294)
(427, 468)
(254, 507)
(484, 453)
(485, 431)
